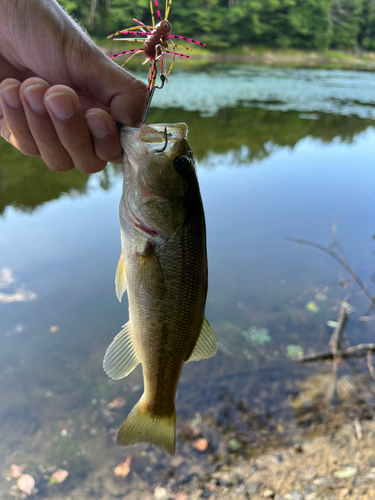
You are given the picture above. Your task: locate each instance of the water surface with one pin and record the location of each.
(279, 153)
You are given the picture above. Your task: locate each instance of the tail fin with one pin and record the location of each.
(142, 426)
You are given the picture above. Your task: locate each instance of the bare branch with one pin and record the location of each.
(338, 259)
(324, 288)
(336, 336)
(334, 230)
(350, 352)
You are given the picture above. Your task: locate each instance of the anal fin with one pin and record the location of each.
(120, 358)
(206, 344)
(120, 279)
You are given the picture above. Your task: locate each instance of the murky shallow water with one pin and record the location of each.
(266, 170)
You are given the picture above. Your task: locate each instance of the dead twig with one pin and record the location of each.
(370, 366)
(367, 318)
(336, 336)
(320, 290)
(358, 429)
(338, 259)
(349, 352)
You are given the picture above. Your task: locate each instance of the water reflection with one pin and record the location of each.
(247, 134)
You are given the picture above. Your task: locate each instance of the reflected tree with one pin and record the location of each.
(247, 133)
(258, 131)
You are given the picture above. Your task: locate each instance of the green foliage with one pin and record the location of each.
(306, 24)
(367, 25)
(345, 18)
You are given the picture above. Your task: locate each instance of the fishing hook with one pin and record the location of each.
(165, 143)
(162, 78)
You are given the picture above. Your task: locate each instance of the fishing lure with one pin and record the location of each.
(156, 42)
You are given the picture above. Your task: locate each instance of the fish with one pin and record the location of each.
(163, 268)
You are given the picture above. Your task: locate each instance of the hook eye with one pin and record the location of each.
(165, 143)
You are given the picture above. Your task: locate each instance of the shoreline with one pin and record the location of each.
(263, 56)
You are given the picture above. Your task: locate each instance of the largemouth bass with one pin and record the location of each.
(163, 267)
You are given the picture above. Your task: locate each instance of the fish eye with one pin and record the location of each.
(182, 164)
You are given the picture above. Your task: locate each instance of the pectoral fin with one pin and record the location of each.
(120, 279)
(206, 345)
(120, 358)
(150, 274)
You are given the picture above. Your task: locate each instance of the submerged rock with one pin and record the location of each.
(26, 483)
(201, 444)
(60, 475)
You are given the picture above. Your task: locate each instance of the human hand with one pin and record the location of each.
(71, 94)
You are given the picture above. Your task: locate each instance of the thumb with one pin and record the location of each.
(97, 75)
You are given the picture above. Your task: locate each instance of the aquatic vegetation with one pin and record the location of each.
(248, 355)
(294, 351)
(258, 336)
(234, 445)
(312, 307)
(332, 324)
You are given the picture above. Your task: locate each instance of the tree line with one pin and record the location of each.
(222, 24)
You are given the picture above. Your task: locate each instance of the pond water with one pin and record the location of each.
(280, 152)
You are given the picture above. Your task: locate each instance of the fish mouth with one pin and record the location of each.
(154, 133)
(149, 138)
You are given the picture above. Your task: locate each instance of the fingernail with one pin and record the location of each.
(61, 104)
(34, 97)
(97, 125)
(11, 96)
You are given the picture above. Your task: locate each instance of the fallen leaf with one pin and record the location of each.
(201, 444)
(117, 403)
(16, 470)
(123, 469)
(26, 483)
(332, 324)
(181, 495)
(344, 473)
(60, 475)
